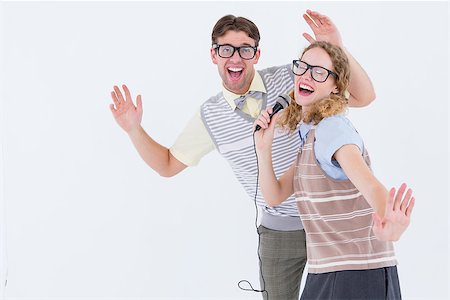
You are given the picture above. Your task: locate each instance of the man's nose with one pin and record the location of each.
(236, 56)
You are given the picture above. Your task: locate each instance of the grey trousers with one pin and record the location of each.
(283, 258)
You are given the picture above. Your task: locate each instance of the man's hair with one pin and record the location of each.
(230, 22)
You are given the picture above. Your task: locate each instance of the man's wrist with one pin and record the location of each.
(135, 132)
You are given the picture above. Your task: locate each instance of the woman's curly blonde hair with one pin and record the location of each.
(326, 107)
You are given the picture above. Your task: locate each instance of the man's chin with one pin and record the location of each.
(235, 87)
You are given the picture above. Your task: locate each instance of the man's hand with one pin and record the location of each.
(323, 29)
(127, 115)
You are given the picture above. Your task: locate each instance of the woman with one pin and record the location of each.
(349, 217)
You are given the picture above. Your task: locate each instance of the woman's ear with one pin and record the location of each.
(335, 90)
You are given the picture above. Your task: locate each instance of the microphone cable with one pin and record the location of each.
(250, 288)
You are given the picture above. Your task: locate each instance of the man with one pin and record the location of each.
(225, 121)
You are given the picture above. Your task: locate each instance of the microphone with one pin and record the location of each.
(282, 102)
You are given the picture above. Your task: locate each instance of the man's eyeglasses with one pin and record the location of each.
(319, 74)
(227, 51)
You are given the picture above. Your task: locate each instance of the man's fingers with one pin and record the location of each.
(118, 94)
(310, 21)
(115, 100)
(127, 93)
(326, 21)
(113, 110)
(308, 37)
(322, 19)
(315, 17)
(139, 103)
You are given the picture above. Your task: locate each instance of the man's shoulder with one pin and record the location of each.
(217, 97)
(274, 69)
(213, 100)
(277, 75)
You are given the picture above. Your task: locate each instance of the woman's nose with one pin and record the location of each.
(307, 75)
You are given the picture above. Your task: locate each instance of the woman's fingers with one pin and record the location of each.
(406, 200)
(410, 207)
(399, 196)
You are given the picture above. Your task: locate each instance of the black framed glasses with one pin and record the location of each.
(227, 51)
(318, 73)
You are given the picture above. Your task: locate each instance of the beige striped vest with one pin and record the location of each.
(337, 219)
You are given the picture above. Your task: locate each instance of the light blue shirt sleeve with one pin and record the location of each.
(331, 134)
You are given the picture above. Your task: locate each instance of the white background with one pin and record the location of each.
(87, 219)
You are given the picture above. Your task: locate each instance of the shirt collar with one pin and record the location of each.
(303, 130)
(256, 85)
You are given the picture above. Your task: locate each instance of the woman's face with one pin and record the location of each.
(307, 90)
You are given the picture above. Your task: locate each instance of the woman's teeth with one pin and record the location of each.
(306, 87)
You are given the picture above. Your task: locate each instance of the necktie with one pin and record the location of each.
(241, 100)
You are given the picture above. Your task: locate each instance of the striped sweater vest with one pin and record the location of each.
(337, 219)
(232, 133)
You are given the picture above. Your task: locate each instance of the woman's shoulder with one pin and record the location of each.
(336, 131)
(336, 123)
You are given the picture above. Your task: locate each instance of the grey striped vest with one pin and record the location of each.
(337, 219)
(232, 134)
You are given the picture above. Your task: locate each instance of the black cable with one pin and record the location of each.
(251, 289)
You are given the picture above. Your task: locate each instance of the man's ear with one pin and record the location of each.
(213, 53)
(258, 53)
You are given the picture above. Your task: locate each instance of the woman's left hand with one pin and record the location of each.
(396, 217)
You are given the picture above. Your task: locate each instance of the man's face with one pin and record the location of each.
(236, 73)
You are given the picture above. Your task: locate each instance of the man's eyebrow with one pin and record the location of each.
(241, 45)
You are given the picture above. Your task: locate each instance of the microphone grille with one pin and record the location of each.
(284, 100)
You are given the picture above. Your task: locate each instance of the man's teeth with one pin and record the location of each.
(235, 69)
(305, 87)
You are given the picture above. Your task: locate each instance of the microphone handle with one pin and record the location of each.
(276, 109)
